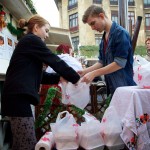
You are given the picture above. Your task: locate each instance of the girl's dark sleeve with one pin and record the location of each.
(42, 53)
(50, 78)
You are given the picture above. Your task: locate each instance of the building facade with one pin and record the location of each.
(71, 12)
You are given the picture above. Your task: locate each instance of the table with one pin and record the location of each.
(133, 106)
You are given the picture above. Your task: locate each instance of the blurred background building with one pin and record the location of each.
(71, 12)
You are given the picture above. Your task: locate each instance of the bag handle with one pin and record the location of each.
(88, 117)
(59, 115)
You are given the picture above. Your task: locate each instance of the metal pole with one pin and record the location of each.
(130, 27)
(136, 32)
(123, 13)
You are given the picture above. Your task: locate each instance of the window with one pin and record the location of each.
(131, 16)
(72, 4)
(113, 2)
(98, 39)
(146, 3)
(147, 21)
(131, 2)
(97, 1)
(73, 22)
(75, 42)
(114, 16)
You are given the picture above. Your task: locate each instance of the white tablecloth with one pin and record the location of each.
(133, 106)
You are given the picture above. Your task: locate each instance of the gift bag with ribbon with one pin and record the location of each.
(65, 131)
(142, 75)
(78, 95)
(110, 129)
(46, 142)
(89, 133)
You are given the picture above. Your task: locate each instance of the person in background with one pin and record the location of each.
(147, 42)
(1, 40)
(64, 49)
(23, 78)
(65, 52)
(115, 52)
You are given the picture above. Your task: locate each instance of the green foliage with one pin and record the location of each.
(30, 5)
(140, 50)
(13, 30)
(89, 51)
(92, 51)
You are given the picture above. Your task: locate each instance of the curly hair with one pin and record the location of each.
(148, 39)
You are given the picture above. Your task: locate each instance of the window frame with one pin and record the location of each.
(131, 2)
(147, 19)
(114, 13)
(132, 18)
(75, 42)
(146, 3)
(97, 1)
(113, 2)
(73, 22)
(72, 4)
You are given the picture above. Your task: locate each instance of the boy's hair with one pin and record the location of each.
(93, 10)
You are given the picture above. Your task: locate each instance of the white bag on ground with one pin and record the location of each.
(142, 75)
(89, 133)
(65, 132)
(46, 142)
(111, 129)
(78, 95)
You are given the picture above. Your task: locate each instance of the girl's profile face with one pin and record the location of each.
(43, 31)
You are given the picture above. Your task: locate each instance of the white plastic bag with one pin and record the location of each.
(89, 133)
(71, 61)
(46, 142)
(139, 60)
(65, 132)
(111, 129)
(142, 75)
(78, 95)
(88, 117)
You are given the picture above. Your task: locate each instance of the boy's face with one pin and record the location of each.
(96, 22)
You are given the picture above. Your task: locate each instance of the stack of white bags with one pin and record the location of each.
(90, 135)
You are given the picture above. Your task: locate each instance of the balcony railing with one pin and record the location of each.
(74, 29)
(113, 2)
(147, 27)
(131, 3)
(72, 6)
(97, 1)
(146, 5)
